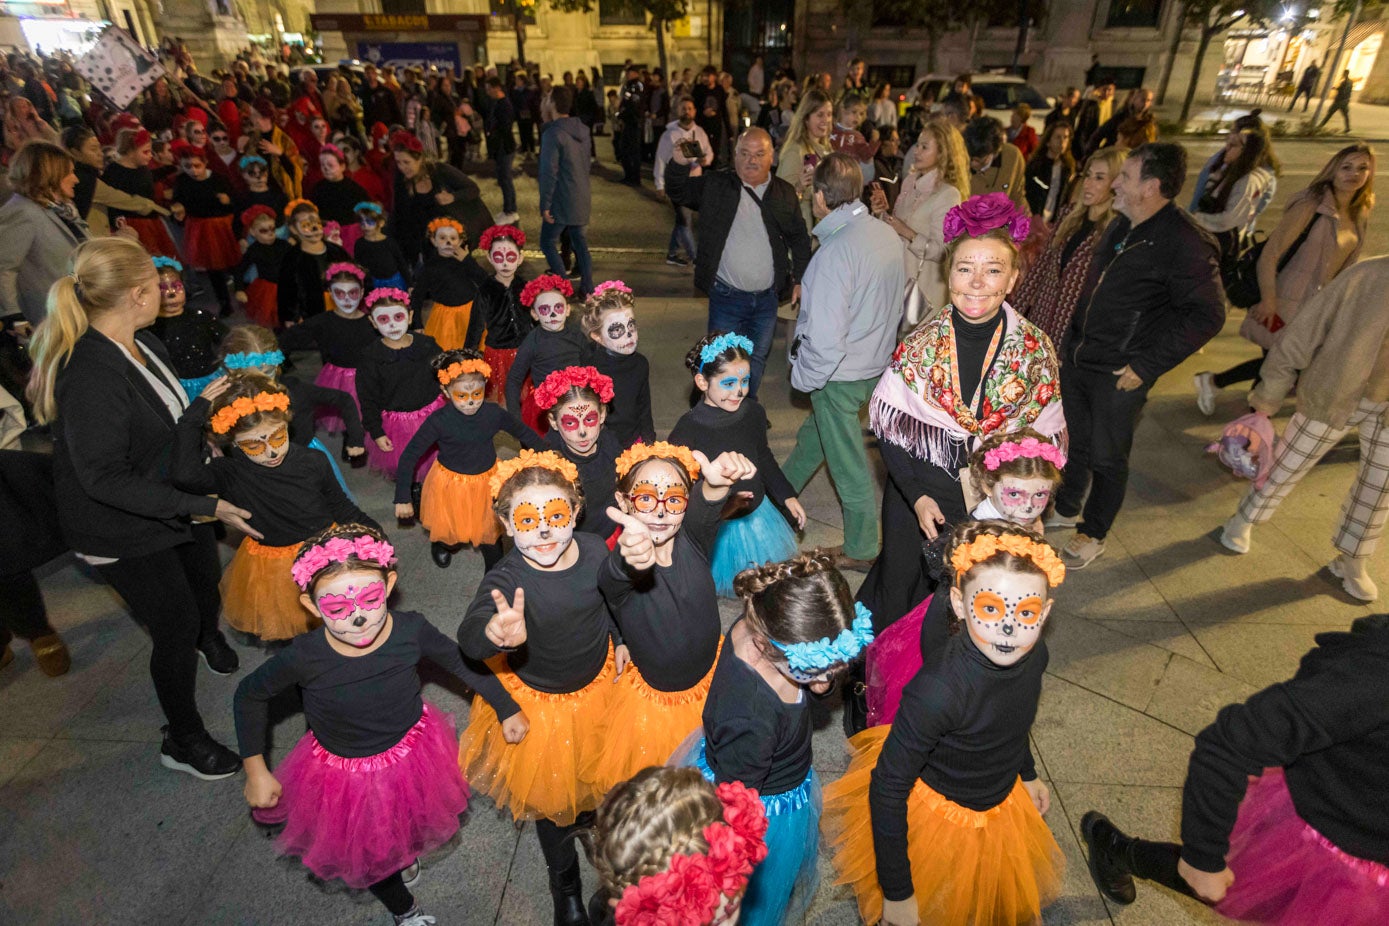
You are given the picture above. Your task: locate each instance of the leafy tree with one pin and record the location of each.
(660, 13)
(1211, 18)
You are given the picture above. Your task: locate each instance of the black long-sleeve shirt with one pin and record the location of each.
(199, 197)
(261, 262)
(339, 340)
(568, 625)
(1328, 727)
(669, 615)
(446, 281)
(391, 380)
(335, 199)
(498, 312)
(713, 431)
(357, 705)
(597, 477)
(962, 729)
(751, 735)
(302, 284)
(137, 181)
(191, 339)
(629, 413)
(540, 354)
(381, 259)
(305, 398)
(465, 442)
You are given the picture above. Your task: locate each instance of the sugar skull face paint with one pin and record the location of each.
(309, 228)
(658, 499)
(266, 444)
(263, 230)
(172, 297)
(1004, 612)
(1020, 500)
(446, 241)
(467, 393)
(391, 320)
(729, 385)
(353, 605)
(550, 309)
(579, 423)
(505, 257)
(618, 332)
(347, 296)
(542, 523)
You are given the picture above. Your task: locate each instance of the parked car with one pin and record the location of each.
(1001, 92)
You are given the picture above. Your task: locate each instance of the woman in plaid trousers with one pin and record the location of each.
(1336, 350)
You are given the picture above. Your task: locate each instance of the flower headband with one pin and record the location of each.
(528, 459)
(979, 215)
(694, 885)
(1028, 447)
(460, 367)
(640, 453)
(444, 222)
(502, 231)
(226, 419)
(387, 294)
(350, 269)
(315, 559)
(250, 160)
(248, 218)
(823, 653)
(167, 263)
(369, 206)
(403, 140)
(296, 203)
(561, 381)
(270, 358)
(546, 282)
(609, 285)
(334, 150)
(710, 352)
(986, 546)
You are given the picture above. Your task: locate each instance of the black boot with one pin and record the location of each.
(1108, 857)
(855, 700)
(416, 491)
(566, 888)
(441, 554)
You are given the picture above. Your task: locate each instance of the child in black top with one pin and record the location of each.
(384, 261)
(290, 492)
(447, 285)
(336, 195)
(260, 189)
(257, 277)
(955, 765)
(501, 315)
(303, 291)
(728, 419)
(552, 345)
(396, 385)
(190, 336)
(132, 172)
(375, 782)
(456, 501)
(341, 336)
(203, 202)
(608, 321)
(575, 402)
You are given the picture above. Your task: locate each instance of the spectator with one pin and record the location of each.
(1021, 135)
(520, 97)
(757, 80)
(92, 197)
(565, 201)
(1132, 127)
(1065, 109)
(1306, 86)
(501, 145)
(856, 81)
(379, 104)
(732, 107)
(159, 107)
(39, 228)
(631, 114)
(685, 143)
(586, 106)
(1341, 103)
(1152, 298)
(753, 248)
(1089, 116)
(995, 165)
(807, 144)
(426, 190)
(1050, 172)
(22, 124)
(279, 150)
(884, 109)
(1235, 191)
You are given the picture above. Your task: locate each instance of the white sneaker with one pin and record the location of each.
(1234, 536)
(1355, 579)
(1205, 392)
(411, 873)
(508, 218)
(1061, 521)
(413, 918)
(1081, 551)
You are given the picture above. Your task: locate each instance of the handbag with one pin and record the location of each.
(916, 308)
(1242, 278)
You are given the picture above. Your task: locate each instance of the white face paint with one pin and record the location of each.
(467, 393)
(505, 257)
(391, 320)
(550, 309)
(266, 444)
(353, 605)
(541, 521)
(656, 489)
(579, 423)
(1022, 500)
(1004, 612)
(617, 331)
(347, 295)
(728, 387)
(446, 241)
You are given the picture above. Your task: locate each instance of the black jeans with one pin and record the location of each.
(21, 609)
(1100, 421)
(1240, 373)
(173, 594)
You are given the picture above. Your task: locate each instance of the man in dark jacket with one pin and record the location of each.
(1306, 86)
(501, 145)
(753, 246)
(1152, 298)
(1341, 102)
(564, 192)
(1092, 113)
(631, 116)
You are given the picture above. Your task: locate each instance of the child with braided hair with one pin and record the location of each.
(257, 278)
(447, 285)
(575, 401)
(341, 337)
(502, 316)
(608, 320)
(939, 817)
(552, 345)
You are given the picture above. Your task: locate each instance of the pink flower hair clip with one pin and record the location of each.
(1027, 447)
(364, 548)
(979, 215)
(610, 285)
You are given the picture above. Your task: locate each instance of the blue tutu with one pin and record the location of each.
(317, 444)
(394, 281)
(760, 536)
(782, 887)
(194, 387)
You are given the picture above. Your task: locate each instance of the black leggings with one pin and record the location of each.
(1240, 373)
(394, 894)
(173, 594)
(21, 609)
(1157, 861)
(220, 279)
(557, 842)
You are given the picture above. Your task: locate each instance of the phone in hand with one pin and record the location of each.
(692, 149)
(811, 160)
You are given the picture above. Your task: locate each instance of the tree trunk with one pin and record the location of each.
(931, 35)
(1172, 55)
(520, 35)
(1023, 21)
(660, 26)
(974, 40)
(1207, 33)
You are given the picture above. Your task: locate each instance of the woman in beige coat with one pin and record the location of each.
(937, 180)
(807, 144)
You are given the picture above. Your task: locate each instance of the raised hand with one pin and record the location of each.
(635, 545)
(725, 469)
(507, 628)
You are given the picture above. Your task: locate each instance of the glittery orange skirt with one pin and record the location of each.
(259, 596)
(448, 324)
(997, 867)
(542, 776)
(457, 507)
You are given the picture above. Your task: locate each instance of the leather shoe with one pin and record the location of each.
(441, 554)
(1107, 850)
(566, 889)
(848, 562)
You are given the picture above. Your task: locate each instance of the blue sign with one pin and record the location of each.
(442, 55)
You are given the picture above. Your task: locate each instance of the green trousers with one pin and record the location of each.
(832, 434)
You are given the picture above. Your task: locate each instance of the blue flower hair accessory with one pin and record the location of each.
(822, 654)
(270, 358)
(367, 205)
(249, 159)
(710, 352)
(167, 263)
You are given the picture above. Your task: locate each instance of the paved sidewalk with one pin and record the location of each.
(1369, 121)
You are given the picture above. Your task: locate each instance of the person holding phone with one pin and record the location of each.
(807, 144)
(684, 142)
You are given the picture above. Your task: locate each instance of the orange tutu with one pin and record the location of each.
(540, 777)
(647, 726)
(448, 324)
(997, 867)
(259, 596)
(457, 508)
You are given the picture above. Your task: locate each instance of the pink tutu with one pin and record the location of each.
(1286, 873)
(362, 820)
(344, 379)
(893, 658)
(400, 427)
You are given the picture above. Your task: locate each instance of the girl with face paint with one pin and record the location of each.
(544, 629)
(259, 188)
(203, 202)
(291, 493)
(336, 195)
(754, 531)
(130, 173)
(575, 401)
(799, 631)
(381, 256)
(303, 290)
(553, 344)
(455, 501)
(190, 336)
(257, 276)
(946, 801)
(375, 784)
(502, 312)
(609, 321)
(447, 285)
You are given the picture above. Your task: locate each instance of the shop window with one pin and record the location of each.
(621, 13)
(1124, 14)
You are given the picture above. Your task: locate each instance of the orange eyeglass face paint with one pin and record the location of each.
(275, 440)
(525, 517)
(1005, 612)
(542, 524)
(558, 513)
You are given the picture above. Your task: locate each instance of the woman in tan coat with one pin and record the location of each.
(807, 144)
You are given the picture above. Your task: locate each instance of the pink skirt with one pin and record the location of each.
(362, 820)
(400, 427)
(344, 379)
(893, 658)
(1286, 873)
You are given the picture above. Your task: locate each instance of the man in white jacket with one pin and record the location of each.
(684, 142)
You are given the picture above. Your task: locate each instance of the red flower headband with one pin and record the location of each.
(545, 283)
(182, 149)
(502, 231)
(334, 150)
(249, 217)
(350, 269)
(404, 141)
(561, 381)
(691, 890)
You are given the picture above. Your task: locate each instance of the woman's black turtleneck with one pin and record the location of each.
(972, 344)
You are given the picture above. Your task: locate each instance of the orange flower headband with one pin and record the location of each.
(459, 367)
(640, 453)
(546, 459)
(987, 546)
(226, 419)
(295, 204)
(443, 222)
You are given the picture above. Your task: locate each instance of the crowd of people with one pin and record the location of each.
(998, 301)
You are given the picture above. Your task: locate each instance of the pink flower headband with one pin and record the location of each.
(387, 294)
(608, 285)
(343, 266)
(315, 559)
(1027, 447)
(693, 887)
(979, 215)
